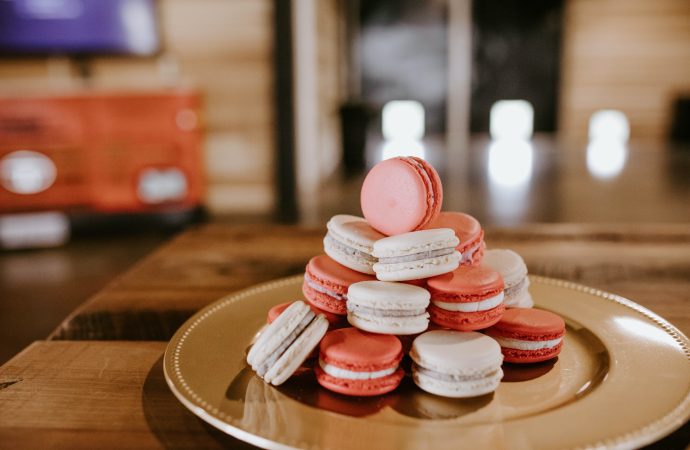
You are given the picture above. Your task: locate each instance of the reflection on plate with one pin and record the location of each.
(595, 393)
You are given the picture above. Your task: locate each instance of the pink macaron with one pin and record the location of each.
(467, 299)
(468, 230)
(356, 362)
(529, 335)
(326, 283)
(401, 194)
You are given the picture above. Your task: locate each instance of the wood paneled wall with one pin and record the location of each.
(631, 55)
(222, 47)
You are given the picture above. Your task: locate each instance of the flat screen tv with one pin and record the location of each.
(78, 27)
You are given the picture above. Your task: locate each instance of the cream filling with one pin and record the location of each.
(416, 256)
(467, 254)
(338, 372)
(323, 290)
(519, 344)
(483, 305)
(346, 249)
(516, 288)
(385, 312)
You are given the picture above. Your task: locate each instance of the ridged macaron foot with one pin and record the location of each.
(401, 194)
(355, 362)
(467, 299)
(456, 364)
(529, 335)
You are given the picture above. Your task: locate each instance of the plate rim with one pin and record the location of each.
(649, 433)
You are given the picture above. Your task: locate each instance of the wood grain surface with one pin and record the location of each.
(648, 264)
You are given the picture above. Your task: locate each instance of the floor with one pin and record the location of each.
(545, 181)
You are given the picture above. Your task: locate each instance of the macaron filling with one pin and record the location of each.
(516, 288)
(458, 377)
(318, 288)
(342, 247)
(483, 305)
(520, 344)
(417, 256)
(339, 372)
(468, 254)
(355, 308)
(271, 359)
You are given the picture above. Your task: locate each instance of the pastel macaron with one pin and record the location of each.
(326, 283)
(334, 320)
(469, 298)
(468, 230)
(514, 272)
(415, 255)
(456, 364)
(286, 343)
(350, 242)
(529, 335)
(355, 362)
(388, 308)
(401, 194)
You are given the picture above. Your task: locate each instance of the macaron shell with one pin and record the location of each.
(400, 195)
(360, 351)
(469, 321)
(351, 261)
(465, 389)
(354, 231)
(364, 388)
(389, 325)
(466, 227)
(508, 263)
(452, 352)
(388, 296)
(466, 284)
(334, 320)
(530, 325)
(530, 356)
(323, 301)
(333, 276)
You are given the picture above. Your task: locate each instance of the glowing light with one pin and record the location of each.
(403, 120)
(644, 330)
(609, 124)
(45, 229)
(606, 157)
(27, 172)
(510, 162)
(162, 185)
(391, 149)
(139, 27)
(511, 119)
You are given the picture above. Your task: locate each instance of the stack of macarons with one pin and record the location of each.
(386, 278)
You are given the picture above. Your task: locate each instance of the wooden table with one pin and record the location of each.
(98, 382)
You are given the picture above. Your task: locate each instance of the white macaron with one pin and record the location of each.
(514, 272)
(350, 242)
(388, 308)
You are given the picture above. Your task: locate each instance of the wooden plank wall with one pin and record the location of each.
(223, 47)
(632, 55)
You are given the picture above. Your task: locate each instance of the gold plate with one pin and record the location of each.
(621, 380)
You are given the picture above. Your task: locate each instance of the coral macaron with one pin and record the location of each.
(326, 283)
(468, 230)
(529, 335)
(401, 194)
(355, 362)
(469, 298)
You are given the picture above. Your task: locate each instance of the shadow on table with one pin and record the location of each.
(173, 425)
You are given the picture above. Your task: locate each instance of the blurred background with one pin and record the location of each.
(123, 122)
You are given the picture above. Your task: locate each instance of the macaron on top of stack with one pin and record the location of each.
(456, 364)
(389, 308)
(350, 242)
(401, 194)
(415, 255)
(326, 283)
(529, 335)
(283, 345)
(355, 362)
(468, 230)
(514, 272)
(469, 298)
